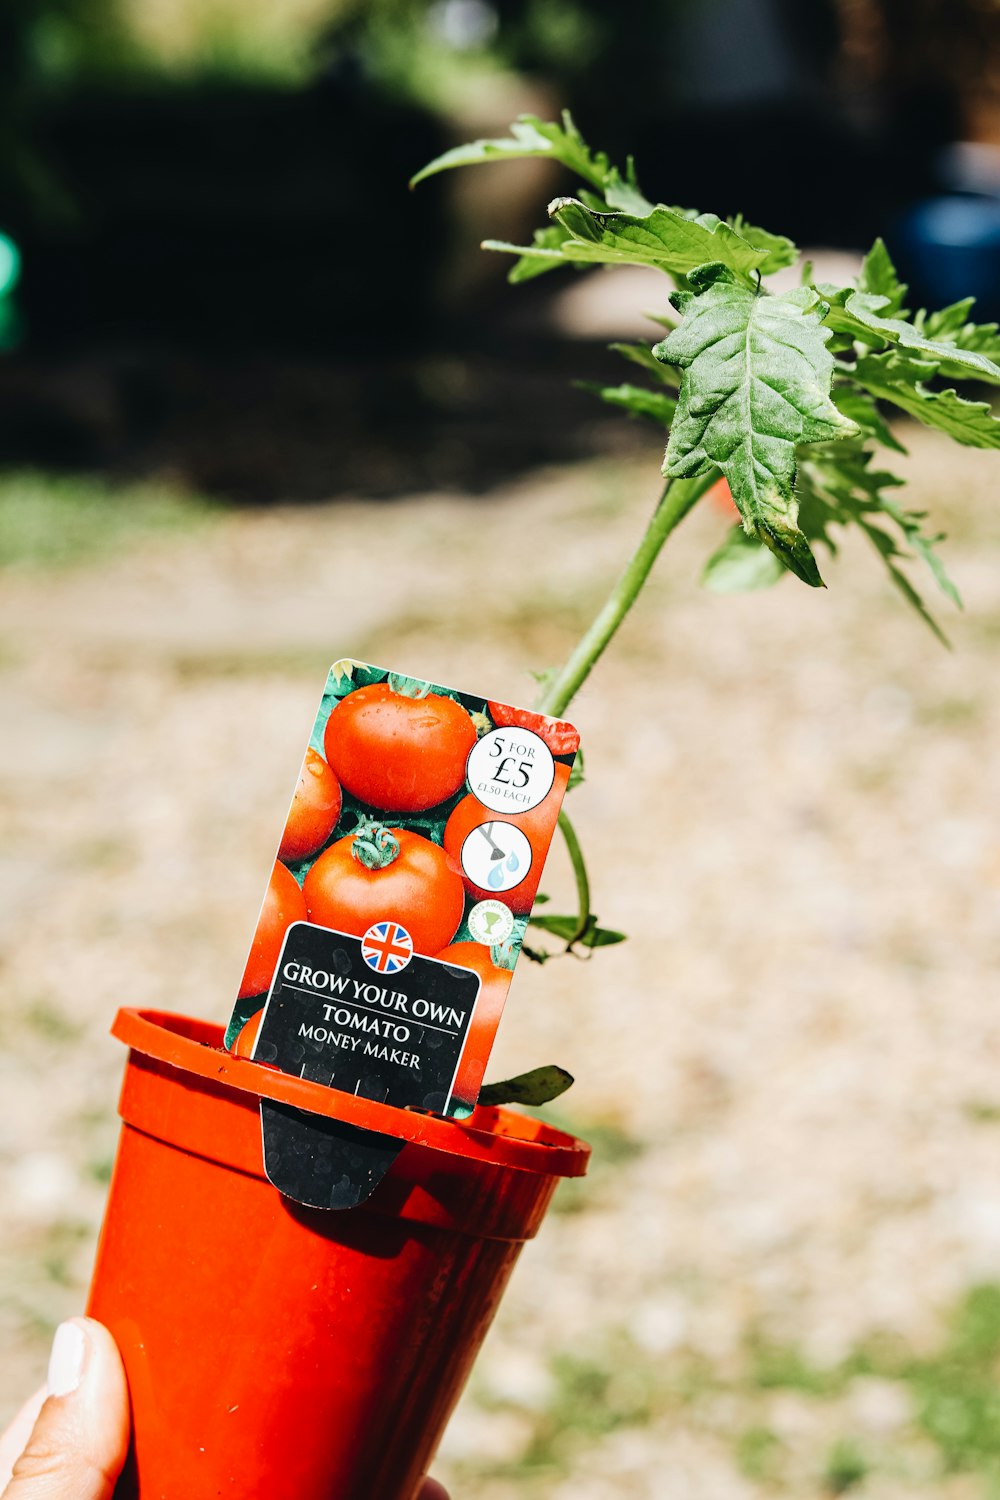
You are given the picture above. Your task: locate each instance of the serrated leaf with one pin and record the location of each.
(538, 1087)
(898, 376)
(840, 485)
(888, 551)
(781, 251)
(666, 238)
(948, 322)
(862, 315)
(757, 376)
(529, 136)
(633, 398)
(878, 276)
(863, 412)
(952, 326)
(643, 356)
(910, 524)
(741, 564)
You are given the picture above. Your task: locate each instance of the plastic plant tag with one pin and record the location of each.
(395, 912)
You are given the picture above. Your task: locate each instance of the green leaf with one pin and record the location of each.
(529, 136)
(949, 323)
(898, 376)
(543, 254)
(757, 377)
(633, 398)
(910, 524)
(567, 929)
(666, 238)
(837, 484)
(532, 1089)
(348, 674)
(781, 251)
(861, 315)
(863, 412)
(741, 564)
(951, 326)
(643, 356)
(888, 551)
(878, 276)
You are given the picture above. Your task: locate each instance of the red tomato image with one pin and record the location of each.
(489, 1005)
(495, 981)
(315, 809)
(380, 874)
(536, 825)
(396, 753)
(560, 736)
(243, 1045)
(283, 905)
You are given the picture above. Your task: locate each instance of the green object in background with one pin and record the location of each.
(10, 275)
(10, 265)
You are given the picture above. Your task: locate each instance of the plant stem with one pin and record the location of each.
(582, 882)
(679, 495)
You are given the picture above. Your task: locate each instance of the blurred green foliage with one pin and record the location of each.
(48, 520)
(944, 1419)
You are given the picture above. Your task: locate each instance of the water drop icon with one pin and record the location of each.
(495, 878)
(513, 863)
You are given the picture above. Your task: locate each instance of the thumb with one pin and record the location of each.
(78, 1444)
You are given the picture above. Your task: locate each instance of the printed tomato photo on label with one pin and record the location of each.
(536, 825)
(244, 1043)
(495, 981)
(560, 736)
(396, 753)
(380, 874)
(283, 905)
(315, 809)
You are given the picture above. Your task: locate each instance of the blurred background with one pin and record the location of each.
(261, 407)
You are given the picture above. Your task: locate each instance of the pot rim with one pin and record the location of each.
(501, 1136)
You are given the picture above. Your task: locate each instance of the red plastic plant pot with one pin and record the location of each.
(287, 1352)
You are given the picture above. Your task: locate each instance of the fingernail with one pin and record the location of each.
(69, 1348)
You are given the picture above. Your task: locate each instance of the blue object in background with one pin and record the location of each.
(949, 248)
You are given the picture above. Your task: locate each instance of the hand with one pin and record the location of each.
(70, 1440)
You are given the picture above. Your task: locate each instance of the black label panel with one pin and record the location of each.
(335, 1017)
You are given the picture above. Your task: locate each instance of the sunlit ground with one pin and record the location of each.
(791, 1073)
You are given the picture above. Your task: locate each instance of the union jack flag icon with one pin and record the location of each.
(386, 947)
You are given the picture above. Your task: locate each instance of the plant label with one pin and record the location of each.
(395, 912)
(337, 1017)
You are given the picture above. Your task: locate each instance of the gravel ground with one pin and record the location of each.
(791, 1070)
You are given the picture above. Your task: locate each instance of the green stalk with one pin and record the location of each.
(582, 881)
(679, 495)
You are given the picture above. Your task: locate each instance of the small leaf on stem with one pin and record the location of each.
(538, 1087)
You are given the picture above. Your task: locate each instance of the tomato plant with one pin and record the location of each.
(779, 389)
(379, 873)
(536, 825)
(772, 397)
(396, 753)
(283, 905)
(315, 809)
